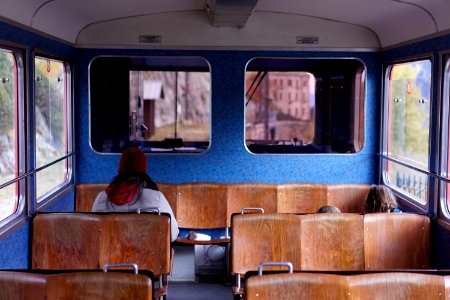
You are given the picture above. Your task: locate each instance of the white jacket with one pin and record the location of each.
(148, 198)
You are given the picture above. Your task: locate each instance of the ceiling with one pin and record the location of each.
(232, 23)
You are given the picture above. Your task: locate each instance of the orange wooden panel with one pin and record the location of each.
(253, 194)
(257, 238)
(301, 197)
(332, 242)
(142, 239)
(65, 241)
(393, 286)
(349, 198)
(169, 190)
(85, 195)
(99, 286)
(296, 286)
(447, 287)
(202, 205)
(22, 286)
(396, 241)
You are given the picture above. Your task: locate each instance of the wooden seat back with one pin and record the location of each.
(202, 205)
(301, 197)
(86, 194)
(349, 198)
(170, 191)
(386, 286)
(257, 238)
(396, 241)
(22, 286)
(89, 241)
(253, 194)
(332, 242)
(393, 286)
(99, 286)
(296, 286)
(66, 241)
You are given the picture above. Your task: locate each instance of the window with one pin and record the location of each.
(9, 131)
(167, 107)
(53, 125)
(407, 120)
(323, 112)
(445, 162)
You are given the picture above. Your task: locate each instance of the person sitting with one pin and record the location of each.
(380, 199)
(329, 209)
(133, 189)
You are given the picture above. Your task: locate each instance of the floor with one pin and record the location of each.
(199, 291)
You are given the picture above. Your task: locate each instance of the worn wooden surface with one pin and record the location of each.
(89, 241)
(202, 205)
(393, 286)
(66, 241)
(296, 286)
(257, 238)
(349, 198)
(396, 241)
(99, 286)
(301, 197)
(332, 242)
(252, 194)
(22, 286)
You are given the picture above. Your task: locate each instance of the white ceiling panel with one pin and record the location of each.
(391, 21)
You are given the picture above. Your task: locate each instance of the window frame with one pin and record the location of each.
(19, 216)
(443, 210)
(357, 123)
(158, 63)
(385, 158)
(57, 191)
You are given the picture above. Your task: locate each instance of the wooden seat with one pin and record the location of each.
(386, 286)
(296, 286)
(89, 241)
(349, 198)
(396, 241)
(22, 286)
(393, 286)
(86, 194)
(99, 286)
(257, 238)
(332, 242)
(301, 197)
(253, 194)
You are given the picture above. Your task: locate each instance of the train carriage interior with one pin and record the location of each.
(252, 115)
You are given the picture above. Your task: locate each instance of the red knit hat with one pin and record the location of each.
(133, 160)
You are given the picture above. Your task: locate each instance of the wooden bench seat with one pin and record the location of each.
(90, 241)
(386, 286)
(209, 205)
(74, 286)
(329, 242)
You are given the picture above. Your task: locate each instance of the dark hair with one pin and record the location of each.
(329, 209)
(141, 177)
(380, 199)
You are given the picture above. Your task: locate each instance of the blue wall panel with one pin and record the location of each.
(14, 248)
(227, 160)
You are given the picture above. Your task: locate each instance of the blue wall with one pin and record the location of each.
(14, 246)
(227, 160)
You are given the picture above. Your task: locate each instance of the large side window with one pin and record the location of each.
(304, 105)
(407, 128)
(9, 132)
(53, 125)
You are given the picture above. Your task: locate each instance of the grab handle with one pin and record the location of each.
(280, 264)
(131, 265)
(244, 209)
